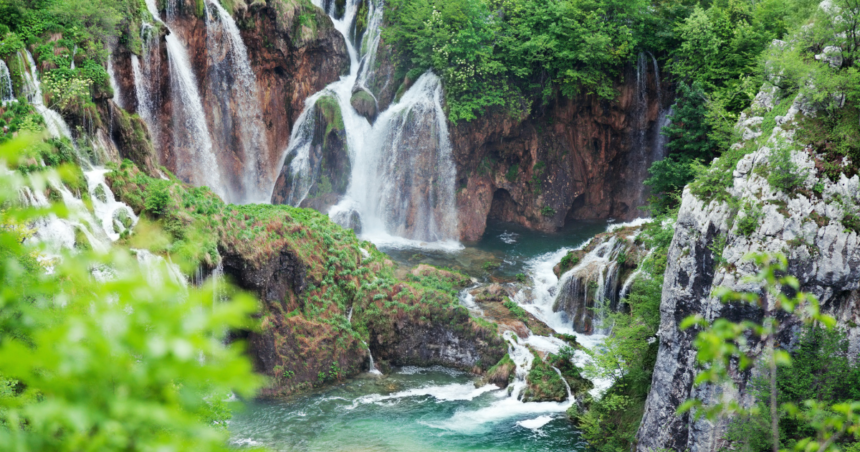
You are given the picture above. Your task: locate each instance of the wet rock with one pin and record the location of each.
(364, 103)
(328, 159)
(567, 158)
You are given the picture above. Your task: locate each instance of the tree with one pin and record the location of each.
(724, 344)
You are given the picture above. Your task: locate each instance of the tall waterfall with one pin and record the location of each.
(230, 63)
(6, 93)
(117, 95)
(402, 177)
(146, 79)
(196, 162)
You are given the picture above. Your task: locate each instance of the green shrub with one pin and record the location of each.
(547, 211)
(784, 173)
(749, 221)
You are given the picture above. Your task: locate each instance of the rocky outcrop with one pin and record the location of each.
(594, 279)
(572, 159)
(315, 303)
(328, 158)
(813, 228)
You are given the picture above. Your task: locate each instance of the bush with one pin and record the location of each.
(784, 173)
(749, 222)
(157, 196)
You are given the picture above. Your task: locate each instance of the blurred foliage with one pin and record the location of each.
(100, 353)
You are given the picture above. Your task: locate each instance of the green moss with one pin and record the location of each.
(330, 109)
(512, 173)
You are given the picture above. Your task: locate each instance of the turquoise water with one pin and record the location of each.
(419, 410)
(507, 244)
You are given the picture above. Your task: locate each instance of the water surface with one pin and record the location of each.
(412, 409)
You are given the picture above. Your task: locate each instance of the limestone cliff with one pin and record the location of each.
(812, 225)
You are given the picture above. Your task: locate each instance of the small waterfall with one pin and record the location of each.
(563, 380)
(373, 370)
(146, 79)
(55, 124)
(74, 52)
(523, 359)
(224, 41)
(117, 95)
(403, 176)
(6, 92)
(155, 267)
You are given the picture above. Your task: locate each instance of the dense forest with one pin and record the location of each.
(100, 352)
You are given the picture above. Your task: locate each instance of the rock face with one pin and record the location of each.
(293, 51)
(582, 158)
(810, 227)
(574, 159)
(314, 303)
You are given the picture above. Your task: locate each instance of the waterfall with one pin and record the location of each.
(590, 289)
(155, 267)
(658, 150)
(402, 178)
(224, 41)
(563, 380)
(117, 95)
(373, 370)
(6, 92)
(196, 161)
(55, 124)
(146, 79)
(192, 144)
(74, 52)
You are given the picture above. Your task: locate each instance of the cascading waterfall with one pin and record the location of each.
(225, 46)
(56, 126)
(6, 93)
(589, 289)
(402, 178)
(108, 218)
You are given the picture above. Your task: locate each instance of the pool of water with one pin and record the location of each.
(412, 409)
(508, 245)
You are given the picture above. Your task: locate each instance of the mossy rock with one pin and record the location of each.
(81, 241)
(122, 217)
(364, 103)
(100, 194)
